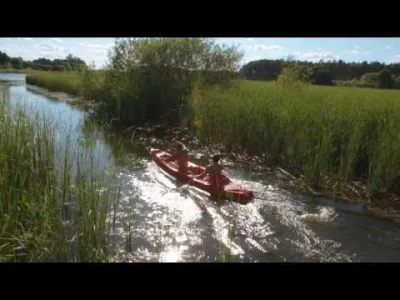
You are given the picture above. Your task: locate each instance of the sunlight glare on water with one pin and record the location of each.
(172, 254)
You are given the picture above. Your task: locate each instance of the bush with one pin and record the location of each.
(370, 80)
(295, 75)
(150, 80)
(17, 63)
(396, 82)
(385, 79)
(322, 77)
(58, 68)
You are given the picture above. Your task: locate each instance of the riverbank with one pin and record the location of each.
(330, 138)
(54, 202)
(67, 82)
(19, 71)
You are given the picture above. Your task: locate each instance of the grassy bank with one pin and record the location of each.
(68, 82)
(347, 133)
(51, 206)
(25, 71)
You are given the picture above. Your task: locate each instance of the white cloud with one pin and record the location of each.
(13, 46)
(267, 48)
(57, 40)
(250, 39)
(50, 51)
(96, 46)
(50, 48)
(397, 58)
(97, 49)
(319, 55)
(15, 50)
(357, 51)
(389, 47)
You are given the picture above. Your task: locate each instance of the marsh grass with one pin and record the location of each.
(347, 133)
(54, 203)
(67, 82)
(343, 132)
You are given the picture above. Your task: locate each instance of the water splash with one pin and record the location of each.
(324, 215)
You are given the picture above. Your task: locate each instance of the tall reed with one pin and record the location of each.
(67, 82)
(349, 133)
(53, 203)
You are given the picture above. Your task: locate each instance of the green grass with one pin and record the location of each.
(26, 71)
(68, 82)
(348, 133)
(344, 132)
(51, 204)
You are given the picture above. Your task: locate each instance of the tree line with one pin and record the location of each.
(368, 74)
(70, 63)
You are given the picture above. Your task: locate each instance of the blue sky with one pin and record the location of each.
(312, 49)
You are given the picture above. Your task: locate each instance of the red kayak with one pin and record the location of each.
(225, 188)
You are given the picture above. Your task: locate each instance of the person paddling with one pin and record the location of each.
(181, 156)
(214, 172)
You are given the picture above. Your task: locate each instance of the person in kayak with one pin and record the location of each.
(181, 156)
(214, 173)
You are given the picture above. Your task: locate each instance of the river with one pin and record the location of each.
(174, 224)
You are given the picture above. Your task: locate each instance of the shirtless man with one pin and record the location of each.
(181, 156)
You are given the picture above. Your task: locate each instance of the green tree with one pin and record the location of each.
(370, 79)
(339, 70)
(385, 79)
(74, 63)
(4, 58)
(42, 61)
(17, 62)
(322, 77)
(151, 79)
(295, 75)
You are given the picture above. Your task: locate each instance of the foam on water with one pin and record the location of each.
(324, 215)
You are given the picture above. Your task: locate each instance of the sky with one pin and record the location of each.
(95, 50)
